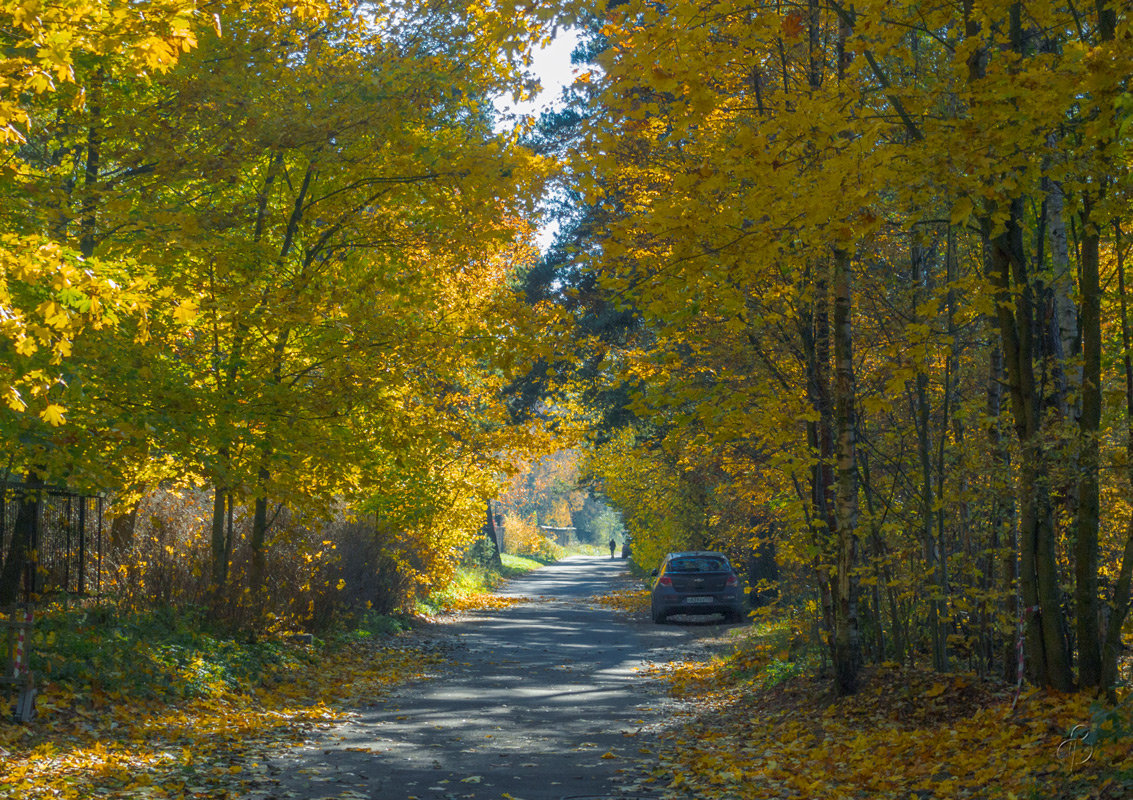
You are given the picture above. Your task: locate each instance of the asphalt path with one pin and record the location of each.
(543, 700)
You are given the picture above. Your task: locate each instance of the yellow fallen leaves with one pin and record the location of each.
(689, 678)
(110, 744)
(909, 734)
(937, 690)
(628, 600)
(480, 601)
(72, 752)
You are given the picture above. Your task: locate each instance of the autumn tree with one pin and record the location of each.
(51, 292)
(757, 164)
(325, 223)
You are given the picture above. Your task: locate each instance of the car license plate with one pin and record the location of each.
(700, 600)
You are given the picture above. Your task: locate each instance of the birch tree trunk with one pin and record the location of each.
(1065, 309)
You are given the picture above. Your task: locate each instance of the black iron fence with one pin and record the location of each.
(54, 546)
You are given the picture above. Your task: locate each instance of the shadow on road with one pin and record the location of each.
(540, 701)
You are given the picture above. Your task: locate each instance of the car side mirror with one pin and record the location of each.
(653, 574)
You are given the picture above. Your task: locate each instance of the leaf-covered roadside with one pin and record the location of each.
(754, 732)
(625, 601)
(182, 714)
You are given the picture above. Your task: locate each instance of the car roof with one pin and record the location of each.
(696, 553)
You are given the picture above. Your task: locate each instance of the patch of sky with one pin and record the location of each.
(551, 66)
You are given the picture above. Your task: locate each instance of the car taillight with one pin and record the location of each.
(732, 580)
(665, 580)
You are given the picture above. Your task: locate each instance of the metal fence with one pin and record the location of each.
(64, 554)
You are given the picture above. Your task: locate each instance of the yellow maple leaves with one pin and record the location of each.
(49, 37)
(53, 414)
(186, 312)
(80, 296)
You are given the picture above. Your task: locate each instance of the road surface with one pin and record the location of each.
(543, 700)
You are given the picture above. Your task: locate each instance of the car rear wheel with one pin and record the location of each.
(658, 616)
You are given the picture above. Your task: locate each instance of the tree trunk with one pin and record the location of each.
(258, 562)
(955, 422)
(258, 541)
(1065, 316)
(1002, 515)
(88, 215)
(921, 418)
(883, 574)
(18, 572)
(822, 400)
(816, 345)
(490, 533)
(219, 545)
(847, 638)
(229, 529)
(122, 530)
(1045, 641)
(814, 45)
(1086, 546)
(1119, 606)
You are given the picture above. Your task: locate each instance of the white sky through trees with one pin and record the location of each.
(551, 65)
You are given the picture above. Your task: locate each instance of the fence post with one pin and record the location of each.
(98, 580)
(82, 545)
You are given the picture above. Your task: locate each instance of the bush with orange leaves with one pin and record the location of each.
(319, 569)
(524, 538)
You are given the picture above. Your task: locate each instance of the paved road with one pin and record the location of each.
(543, 701)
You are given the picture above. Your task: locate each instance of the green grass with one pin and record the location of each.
(468, 580)
(172, 654)
(163, 654)
(371, 625)
(769, 652)
(591, 550)
(472, 579)
(518, 565)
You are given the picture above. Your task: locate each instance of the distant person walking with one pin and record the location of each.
(613, 545)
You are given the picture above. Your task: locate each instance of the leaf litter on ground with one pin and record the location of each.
(909, 734)
(92, 738)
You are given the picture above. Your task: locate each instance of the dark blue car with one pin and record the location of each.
(700, 582)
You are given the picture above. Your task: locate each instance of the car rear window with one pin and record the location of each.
(697, 565)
